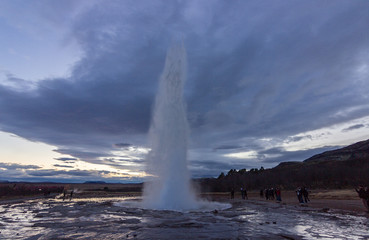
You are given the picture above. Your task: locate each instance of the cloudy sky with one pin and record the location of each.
(268, 81)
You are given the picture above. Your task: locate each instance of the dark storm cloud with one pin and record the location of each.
(299, 138)
(14, 166)
(64, 173)
(353, 127)
(65, 159)
(256, 69)
(124, 163)
(126, 159)
(50, 172)
(85, 155)
(227, 147)
(63, 166)
(7, 175)
(61, 176)
(122, 145)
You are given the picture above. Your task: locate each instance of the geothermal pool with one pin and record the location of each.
(118, 218)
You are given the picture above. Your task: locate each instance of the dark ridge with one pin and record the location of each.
(356, 150)
(346, 167)
(94, 182)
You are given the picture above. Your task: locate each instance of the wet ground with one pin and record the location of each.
(122, 219)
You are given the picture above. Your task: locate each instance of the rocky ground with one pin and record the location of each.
(122, 218)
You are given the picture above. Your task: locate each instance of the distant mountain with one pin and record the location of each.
(359, 150)
(340, 168)
(94, 182)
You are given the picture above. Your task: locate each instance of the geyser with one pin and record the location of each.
(170, 186)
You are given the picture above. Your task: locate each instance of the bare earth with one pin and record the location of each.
(331, 214)
(346, 200)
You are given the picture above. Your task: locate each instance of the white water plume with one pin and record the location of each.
(170, 187)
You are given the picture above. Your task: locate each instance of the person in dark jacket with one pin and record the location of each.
(232, 193)
(305, 194)
(278, 194)
(364, 195)
(299, 195)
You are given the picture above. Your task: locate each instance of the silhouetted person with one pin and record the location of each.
(271, 193)
(243, 193)
(71, 195)
(299, 195)
(232, 193)
(64, 193)
(364, 195)
(305, 193)
(266, 194)
(278, 194)
(261, 193)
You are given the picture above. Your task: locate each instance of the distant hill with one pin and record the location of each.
(94, 182)
(359, 150)
(340, 168)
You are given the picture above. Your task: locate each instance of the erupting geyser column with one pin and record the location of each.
(170, 187)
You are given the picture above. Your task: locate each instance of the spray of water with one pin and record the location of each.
(170, 187)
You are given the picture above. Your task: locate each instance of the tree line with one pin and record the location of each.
(328, 174)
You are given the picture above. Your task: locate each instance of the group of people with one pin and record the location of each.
(302, 194)
(65, 192)
(363, 193)
(271, 194)
(243, 193)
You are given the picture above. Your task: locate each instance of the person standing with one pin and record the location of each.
(232, 193)
(266, 194)
(299, 195)
(271, 193)
(278, 194)
(364, 195)
(64, 192)
(71, 195)
(305, 193)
